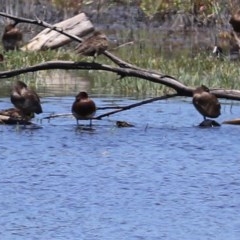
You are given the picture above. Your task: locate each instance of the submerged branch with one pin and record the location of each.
(119, 108)
(136, 105)
(57, 115)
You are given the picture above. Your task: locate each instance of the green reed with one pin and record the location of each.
(190, 69)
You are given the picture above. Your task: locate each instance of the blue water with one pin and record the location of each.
(165, 178)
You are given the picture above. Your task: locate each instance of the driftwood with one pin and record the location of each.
(78, 25)
(13, 116)
(123, 69)
(51, 27)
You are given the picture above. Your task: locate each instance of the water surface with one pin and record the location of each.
(165, 178)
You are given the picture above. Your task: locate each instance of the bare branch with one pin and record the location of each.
(126, 72)
(180, 88)
(119, 109)
(135, 105)
(41, 23)
(57, 115)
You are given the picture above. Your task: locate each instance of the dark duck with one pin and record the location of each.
(25, 99)
(12, 37)
(206, 103)
(83, 108)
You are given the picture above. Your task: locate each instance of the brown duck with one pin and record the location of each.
(235, 21)
(12, 37)
(94, 45)
(83, 107)
(206, 103)
(26, 100)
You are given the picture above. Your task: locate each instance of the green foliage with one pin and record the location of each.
(153, 53)
(150, 7)
(68, 4)
(191, 68)
(20, 59)
(206, 7)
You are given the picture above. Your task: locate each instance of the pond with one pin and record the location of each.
(164, 178)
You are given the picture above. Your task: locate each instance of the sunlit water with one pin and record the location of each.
(165, 178)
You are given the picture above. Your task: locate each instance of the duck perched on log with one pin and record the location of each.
(25, 99)
(206, 103)
(12, 37)
(83, 108)
(93, 45)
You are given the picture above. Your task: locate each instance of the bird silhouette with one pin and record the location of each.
(235, 21)
(83, 108)
(12, 37)
(206, 103)
(93, 45)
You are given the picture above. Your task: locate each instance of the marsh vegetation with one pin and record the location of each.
(191, 69)
(185, 55)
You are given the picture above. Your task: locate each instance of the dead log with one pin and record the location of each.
(13, 116)
(78, 25)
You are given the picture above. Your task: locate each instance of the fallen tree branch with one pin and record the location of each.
(124, 64)
(70, 114)
(104, 108)
(125, 72)
(57, 115)
(42, 24)
(136, 105)
(180, 88)
(119, 109)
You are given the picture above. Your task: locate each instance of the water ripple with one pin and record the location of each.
(163, 179)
